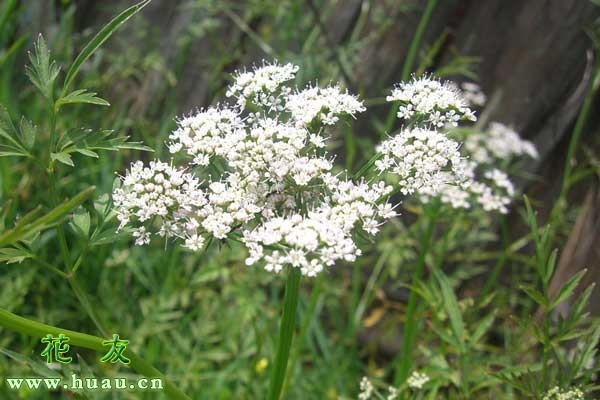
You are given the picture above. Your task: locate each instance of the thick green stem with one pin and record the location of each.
(286, 333)
(410, 58)
(411, 323)
(31, 328)
(306, 322)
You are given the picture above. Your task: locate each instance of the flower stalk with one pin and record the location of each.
(411, 322)
(286, 333)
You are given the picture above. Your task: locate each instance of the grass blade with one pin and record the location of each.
(99, 39)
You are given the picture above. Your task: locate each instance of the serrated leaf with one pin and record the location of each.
(567, 290)
(27, 130)
(99, 39)
(63, 158)
(535, 294)
(80, 96)
(7, 128)
(42, 72)
(10, 255)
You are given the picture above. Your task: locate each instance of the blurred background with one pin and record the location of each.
(204, 324)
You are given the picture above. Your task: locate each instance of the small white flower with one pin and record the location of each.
(194, 242)
(429, 101)
(473, 94)
(393, 393)
(259, 84)
(416, 380)
(418, 158)
(324, 104)
(366, 389)
(556, 393)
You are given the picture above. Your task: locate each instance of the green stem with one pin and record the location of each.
(50, 267)
(500, 263)
(410, 58)
(54, 198)
(31, 328)
(416, 41)
(306, 322)
(85, 302)
(411, 323)
(557, 212)
(286, 333)
(62, 240)
(578, 129)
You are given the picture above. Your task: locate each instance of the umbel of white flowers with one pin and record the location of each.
(277, 191)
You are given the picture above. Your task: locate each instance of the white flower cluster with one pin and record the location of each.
(276, 190)
(416, 380)
(261, 84)
(393, 393)
(429, 101)
(483, 183)
(158, 190)
(556, 393)
(419, 157)
(323, 104)
(473, 94)
(498, 143)
(492, 191)
(425, 158)
(366, 389)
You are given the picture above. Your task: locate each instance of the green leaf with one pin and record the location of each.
(482, 328)
(451, 305)
(580, 305)
(88, 153)
(108, 236)
(27, 130)
(99, 39)
(29, 225)
(7, 128)
(535, 295)
(80, 96)
(567, 290)
(11, 255)
(81, 221)
(38, 366)
(63, 158)
(550, 265)
(134, 146)
(8, 153)
(42, 71)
